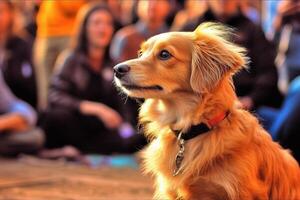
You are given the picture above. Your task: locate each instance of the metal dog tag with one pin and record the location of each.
(180, 156)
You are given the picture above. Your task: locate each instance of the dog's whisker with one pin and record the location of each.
(126, 99)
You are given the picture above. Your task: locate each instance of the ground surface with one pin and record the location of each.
(34, 179)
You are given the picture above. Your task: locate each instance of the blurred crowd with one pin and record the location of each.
(56, 59)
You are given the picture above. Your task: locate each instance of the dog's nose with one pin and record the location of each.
(120, 70)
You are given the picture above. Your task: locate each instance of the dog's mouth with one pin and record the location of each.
(136, 87)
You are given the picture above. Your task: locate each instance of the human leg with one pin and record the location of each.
(61, 127)
(29, 141)
(289, 135)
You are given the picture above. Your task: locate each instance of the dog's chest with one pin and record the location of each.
(160, 155)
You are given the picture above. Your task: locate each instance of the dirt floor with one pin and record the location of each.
(30, 178)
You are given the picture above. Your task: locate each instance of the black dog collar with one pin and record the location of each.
(201, 128)
(193, 132)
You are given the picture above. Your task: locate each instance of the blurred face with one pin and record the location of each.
(154, 10)
(100, 29)
(224, 8)
(5, 17)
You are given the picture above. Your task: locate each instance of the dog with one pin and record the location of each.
(202, 145)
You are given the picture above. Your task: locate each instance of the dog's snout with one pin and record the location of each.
(120, 70)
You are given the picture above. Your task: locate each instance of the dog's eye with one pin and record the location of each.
(164, 55)
(140, 53)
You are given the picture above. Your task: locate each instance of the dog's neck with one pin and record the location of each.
(181, 111)
(203, 111)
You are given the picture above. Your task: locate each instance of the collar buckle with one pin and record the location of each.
(180, 155)
(192, 133)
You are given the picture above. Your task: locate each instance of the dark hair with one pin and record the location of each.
(80, 41)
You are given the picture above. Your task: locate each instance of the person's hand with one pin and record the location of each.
(288, 7)
(13, 122)
(110, 117)
(107, 115)
(285, 8)
(246, 103)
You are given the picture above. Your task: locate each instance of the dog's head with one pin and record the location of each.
(192, 62)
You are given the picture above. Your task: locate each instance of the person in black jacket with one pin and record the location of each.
(256, 85)
(15, 57)
(85, 110)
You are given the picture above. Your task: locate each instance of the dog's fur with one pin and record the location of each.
(237, 158)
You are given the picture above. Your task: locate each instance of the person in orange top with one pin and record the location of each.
(55, 21)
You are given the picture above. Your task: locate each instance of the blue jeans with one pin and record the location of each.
(277, 121)
(284, 124)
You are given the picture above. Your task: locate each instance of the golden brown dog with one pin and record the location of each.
(186, 79)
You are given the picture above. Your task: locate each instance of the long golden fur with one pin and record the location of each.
(237, 159)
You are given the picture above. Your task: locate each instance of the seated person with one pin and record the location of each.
(15, 58)
(283, 123)
(85, 111)
(17, 120)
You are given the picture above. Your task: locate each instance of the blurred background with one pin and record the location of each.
(57, 99)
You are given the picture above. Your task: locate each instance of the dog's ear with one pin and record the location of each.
(213, 56)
